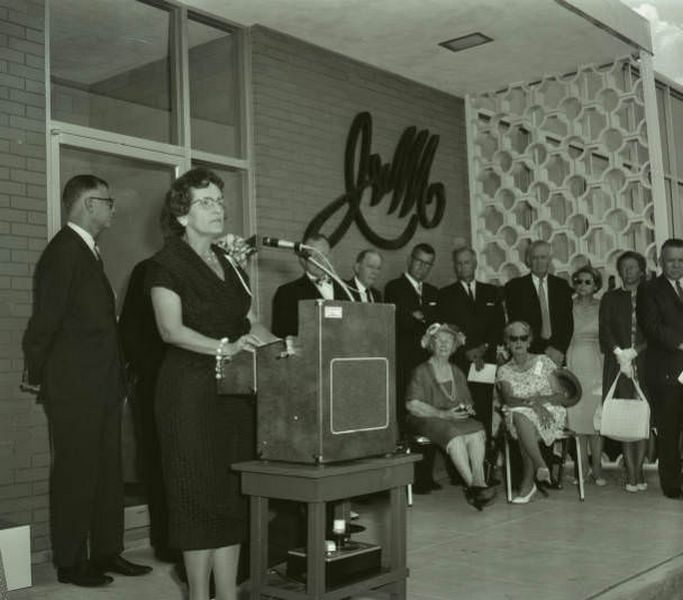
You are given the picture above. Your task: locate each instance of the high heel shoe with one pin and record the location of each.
(525, 499)
(543, 481)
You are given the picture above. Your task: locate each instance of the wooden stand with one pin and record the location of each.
(317, 485)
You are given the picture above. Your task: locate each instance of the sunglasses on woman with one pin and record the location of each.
(518, 338)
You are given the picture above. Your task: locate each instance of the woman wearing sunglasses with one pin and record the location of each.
(532, 397)
(585, 360)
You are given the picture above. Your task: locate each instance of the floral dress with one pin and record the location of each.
(534, 381)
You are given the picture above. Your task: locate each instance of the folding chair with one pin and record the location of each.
(573, 393)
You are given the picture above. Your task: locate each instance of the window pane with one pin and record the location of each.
(677, 117)
(233, 192)
(215, 106)
(139, 189)
(661, 113)
(110, 68)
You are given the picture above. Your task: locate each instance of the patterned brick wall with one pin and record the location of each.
(24, 453)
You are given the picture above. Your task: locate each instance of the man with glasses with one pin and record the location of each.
(415, 302)
(71, 349)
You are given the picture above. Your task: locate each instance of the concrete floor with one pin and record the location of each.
(613, 546)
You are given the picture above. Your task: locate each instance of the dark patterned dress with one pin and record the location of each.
(202, 434)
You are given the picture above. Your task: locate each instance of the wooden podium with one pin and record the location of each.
(334, 399)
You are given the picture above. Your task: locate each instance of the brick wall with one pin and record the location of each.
(24, 444)
(305, 99)
(24, 453)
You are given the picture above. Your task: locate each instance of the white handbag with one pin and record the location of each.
(625, 419)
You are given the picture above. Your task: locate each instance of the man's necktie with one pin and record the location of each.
(470, 292)
(679, 289)
(546, 330)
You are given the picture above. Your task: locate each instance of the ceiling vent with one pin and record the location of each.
(466, 41)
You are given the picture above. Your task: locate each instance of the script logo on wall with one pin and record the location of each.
(406, 178)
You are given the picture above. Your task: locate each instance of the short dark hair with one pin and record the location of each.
(637, 256)
(363, 253)
(426, 248)
(672, 243)
(179, 197)
(593, 272)
(79, 185)
(460, 249)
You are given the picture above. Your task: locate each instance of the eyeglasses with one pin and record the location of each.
(426, 263)
(518, 338)
(207, 203)
(109, 201)
(583, 282)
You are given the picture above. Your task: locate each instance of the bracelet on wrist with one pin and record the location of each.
(221, 357)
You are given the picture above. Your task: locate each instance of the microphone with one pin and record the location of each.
(276, 243)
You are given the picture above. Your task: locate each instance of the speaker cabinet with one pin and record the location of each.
(334, 399)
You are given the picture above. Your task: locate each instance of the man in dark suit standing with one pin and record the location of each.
(476, 308)
(659, 307)
(366, 271)
(314, 283)
(415, 303)
(71, 348)
(544, 301)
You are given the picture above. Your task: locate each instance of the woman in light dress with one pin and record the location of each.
(584, 359)
(533, 402)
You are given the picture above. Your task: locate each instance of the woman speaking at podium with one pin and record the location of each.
(440, 407)
(201, 300)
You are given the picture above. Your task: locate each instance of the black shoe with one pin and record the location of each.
(118, 564)
(355, 528)
(83, 575)
(421, 489)
(483, 496)
(673, 494)
(471, 497)
(435, 485)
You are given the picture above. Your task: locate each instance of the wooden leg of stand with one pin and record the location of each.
(508, 475)
(397, 537)
(315, 550)
(258, 553)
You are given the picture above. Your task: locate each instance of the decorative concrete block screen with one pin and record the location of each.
(564, 159)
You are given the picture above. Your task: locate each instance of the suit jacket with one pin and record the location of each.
(409, 330)
(374, 293)
(522, 304)
(285, 317)
(71, 345)
(481, 321)
(660, 314)
(143, 347)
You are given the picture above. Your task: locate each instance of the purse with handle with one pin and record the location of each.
(625, 419)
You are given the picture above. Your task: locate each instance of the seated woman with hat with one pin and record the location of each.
(440, 407)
